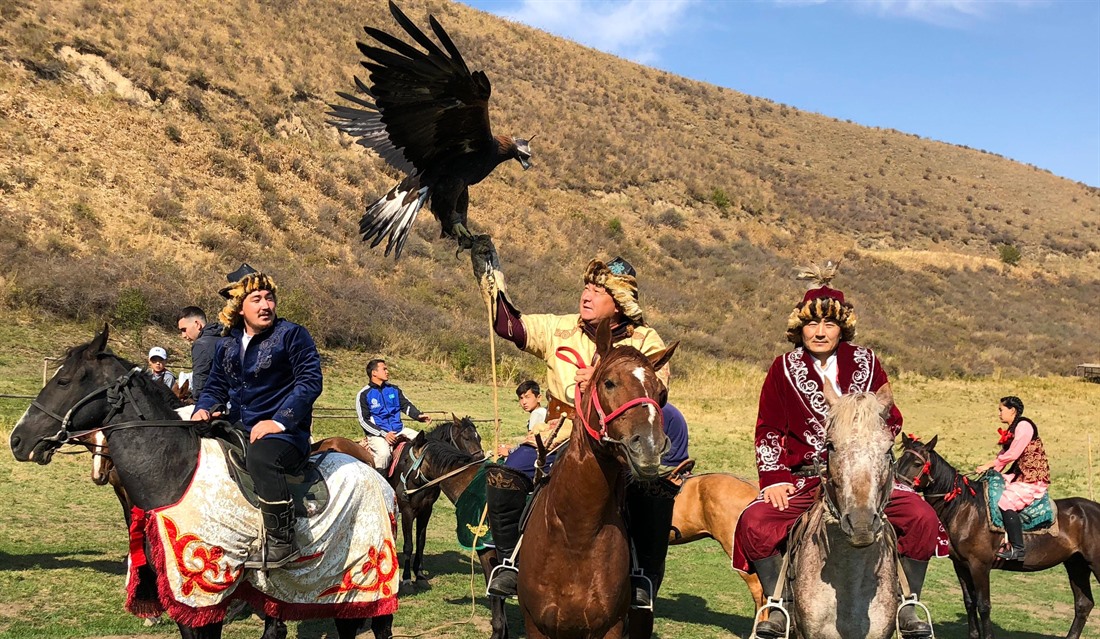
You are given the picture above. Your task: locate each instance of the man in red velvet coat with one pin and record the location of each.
(790, 436)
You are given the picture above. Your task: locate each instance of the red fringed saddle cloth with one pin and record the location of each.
(348, 566)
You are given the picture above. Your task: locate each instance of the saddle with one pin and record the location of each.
(678, 475)
(308, 491)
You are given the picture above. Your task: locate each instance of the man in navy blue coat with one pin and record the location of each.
(268, 372)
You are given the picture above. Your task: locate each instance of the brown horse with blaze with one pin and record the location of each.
(575, 545)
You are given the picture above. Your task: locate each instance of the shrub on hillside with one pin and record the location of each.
(1010, 254)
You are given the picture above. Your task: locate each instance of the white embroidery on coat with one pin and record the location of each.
(861, 376)
(769, 453)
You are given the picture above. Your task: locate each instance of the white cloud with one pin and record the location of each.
(633, 29)
(938, 12)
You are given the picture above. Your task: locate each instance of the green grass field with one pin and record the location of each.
(62, 543)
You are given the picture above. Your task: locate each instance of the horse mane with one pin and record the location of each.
(944, 474)
(856, 417)
(445, 456)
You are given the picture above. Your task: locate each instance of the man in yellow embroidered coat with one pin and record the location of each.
(610, 293)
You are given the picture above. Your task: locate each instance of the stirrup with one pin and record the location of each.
(504, 566)
(638, 574)
(777, 604)
(912, 600)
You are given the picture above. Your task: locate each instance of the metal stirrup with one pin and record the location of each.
(508, 563)
(636, 571)
(775, 600)
(912, 600)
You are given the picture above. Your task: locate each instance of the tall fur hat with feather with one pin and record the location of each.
(821, 302)
(620, 280)
(242, 282)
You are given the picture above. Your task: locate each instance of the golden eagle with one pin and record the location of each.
(429, 119)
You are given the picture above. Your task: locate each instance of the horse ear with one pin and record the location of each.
(99, 342)
(603, 337)
(931, 443)
(419, 440)
(660, 358)
(831, 398)
(456, 420)
(885, 397)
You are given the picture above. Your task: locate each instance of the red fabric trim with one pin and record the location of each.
(300, 611)
(135, 561)
(395, 458)
(195, 617)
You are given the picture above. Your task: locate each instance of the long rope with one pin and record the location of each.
(493, 362)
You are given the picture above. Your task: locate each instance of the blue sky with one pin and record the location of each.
(1016, 77)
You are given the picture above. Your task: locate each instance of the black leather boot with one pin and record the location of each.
(773, 626)
(506, 496)
(909, 624)
(280, 547)
(1015, 531)
(648, 520)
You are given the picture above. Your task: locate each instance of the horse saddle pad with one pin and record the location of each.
(308, 491)
(1038, 515)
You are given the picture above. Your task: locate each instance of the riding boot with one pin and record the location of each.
(648, 519)
(773, 626)
(506, 492)
(279, 547)
(1015, 531)
(909, 624)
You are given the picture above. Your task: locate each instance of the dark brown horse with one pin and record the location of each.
(963, 509)
(575, 552)
(454, 470)
(416, 509)
(708, 506)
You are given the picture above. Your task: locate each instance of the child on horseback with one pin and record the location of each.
(1023, 462)
(791, 439)
(268, 372)
(379, 407)
(610, 293)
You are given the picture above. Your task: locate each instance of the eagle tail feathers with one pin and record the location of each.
(391, 217)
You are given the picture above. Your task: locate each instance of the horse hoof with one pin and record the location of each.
(407, 587)
(422, 583)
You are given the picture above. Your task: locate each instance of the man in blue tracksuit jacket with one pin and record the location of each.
(380, 406)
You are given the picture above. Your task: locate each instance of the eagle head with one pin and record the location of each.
(523, 152)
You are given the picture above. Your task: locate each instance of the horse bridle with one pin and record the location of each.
(828, 490)
(117, 392)
(926, 469)
(594, 401)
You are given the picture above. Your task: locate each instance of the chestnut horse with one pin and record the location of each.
(575, 552)
(708, 506)
(964, 511)
(155, 452)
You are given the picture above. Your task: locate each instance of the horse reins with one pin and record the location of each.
(118, 394)
(926, 470)
(594, 401)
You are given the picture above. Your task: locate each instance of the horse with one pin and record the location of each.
(575, 552)
(708, 506)
(843, 551)
(454, 469)
(963, 508)
(417, 508)
(156, 454)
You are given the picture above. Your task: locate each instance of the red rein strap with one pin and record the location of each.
(594, 399)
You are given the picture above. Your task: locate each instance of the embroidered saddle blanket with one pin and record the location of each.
(1037, 515)
(348, 566)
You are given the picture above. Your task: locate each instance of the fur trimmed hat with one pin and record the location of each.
(821, 302)
(619, 278)
(243, 282)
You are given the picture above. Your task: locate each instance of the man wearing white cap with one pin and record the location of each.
(157, 370)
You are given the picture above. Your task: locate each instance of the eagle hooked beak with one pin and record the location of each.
(523, 152)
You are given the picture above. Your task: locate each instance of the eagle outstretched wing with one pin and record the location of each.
(423, 112)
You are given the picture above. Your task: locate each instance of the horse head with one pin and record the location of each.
(859, 478)
(914, 465)
(465, 437)
(68, 401)
(623, 402)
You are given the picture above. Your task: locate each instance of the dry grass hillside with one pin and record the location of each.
(151, 147)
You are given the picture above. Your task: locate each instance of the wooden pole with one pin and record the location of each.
(1089, 437)
(493, 358)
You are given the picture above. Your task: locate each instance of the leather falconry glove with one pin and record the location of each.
(486, 266)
